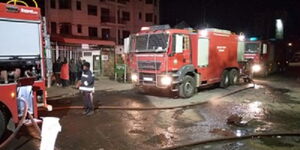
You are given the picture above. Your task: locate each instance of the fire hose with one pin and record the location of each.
(259, 135)
(20, 124)
(152, 108)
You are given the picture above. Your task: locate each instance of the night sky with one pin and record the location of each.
(235, 15)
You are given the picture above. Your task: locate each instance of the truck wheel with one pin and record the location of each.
(187, 87)
(224, 79)
(233, 77)
(2, 123)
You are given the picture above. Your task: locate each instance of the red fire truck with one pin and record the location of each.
(21, 62)
(266, 57)
(180, 60)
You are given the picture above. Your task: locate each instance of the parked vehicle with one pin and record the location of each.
(21, 62)
(266, 56)
(180, 60)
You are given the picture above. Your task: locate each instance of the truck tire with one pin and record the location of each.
(188, 87)
(225, 79)
(233, 77)
(2, 124)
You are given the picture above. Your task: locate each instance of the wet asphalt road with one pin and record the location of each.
(273, 106)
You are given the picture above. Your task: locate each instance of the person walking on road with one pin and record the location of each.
(86, 86)
(64, 73)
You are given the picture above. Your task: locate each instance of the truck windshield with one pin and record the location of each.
(150, 42)
(252, 48)
(19, 38)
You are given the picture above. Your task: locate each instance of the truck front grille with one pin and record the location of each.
(149, 65)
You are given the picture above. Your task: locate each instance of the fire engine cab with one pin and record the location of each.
(266, 56)
(180, 60)
(21, 63)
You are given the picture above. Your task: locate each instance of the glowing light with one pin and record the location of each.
(253, 39)
(203, 33)
(12, 94)
(290, 44)
(279, 29)
(134, 77)
(175, 61)
(166, 80)
(145, 28)
(242, 37)
(256, 68)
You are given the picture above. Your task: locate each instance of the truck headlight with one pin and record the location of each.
(134, 77)
(166, 80)
(256, 68)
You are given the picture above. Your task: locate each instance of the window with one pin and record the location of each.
(186, 42)
(180, 43)
(149, 1)
(53, 4)
(65, 28)
(149, 17)
(155, 19)
(26, 32)
(92, 10)
(105, 34)
(79, 28)
(53, 27)
(93, 32)
(140, 16)
(87, 54)
(78, 5)
(64, 4)
(126, 16)
(105, 15)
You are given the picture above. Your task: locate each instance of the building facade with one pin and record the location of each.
(85, 28)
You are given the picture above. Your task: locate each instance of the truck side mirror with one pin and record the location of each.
(179, 44)
(265, 49)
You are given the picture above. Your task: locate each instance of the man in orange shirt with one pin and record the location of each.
(64, 73)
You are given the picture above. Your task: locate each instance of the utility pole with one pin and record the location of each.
(47, 53)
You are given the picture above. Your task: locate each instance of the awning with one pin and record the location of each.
(80, 41)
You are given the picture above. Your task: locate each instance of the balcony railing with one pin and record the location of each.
(122, 21)
(84, 37)
(108, 19)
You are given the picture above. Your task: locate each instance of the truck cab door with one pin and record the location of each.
(182, 49)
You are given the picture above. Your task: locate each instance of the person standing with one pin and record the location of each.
(64, 73)
(86, 86)
(79, 69)
(73, 71)
(56, 70)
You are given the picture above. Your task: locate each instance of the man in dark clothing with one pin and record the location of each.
(73, 72)
(79, 69)
(56, 70)
(86, 86)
